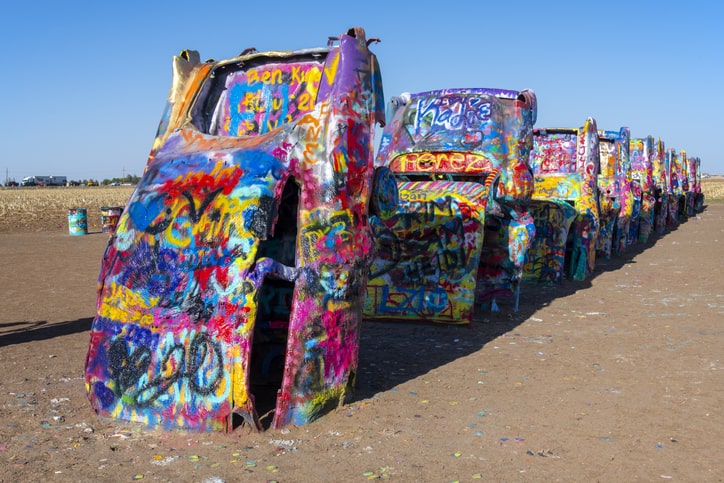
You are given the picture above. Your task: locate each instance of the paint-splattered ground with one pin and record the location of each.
(616, 379)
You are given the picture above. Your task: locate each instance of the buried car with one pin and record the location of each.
(661, 183)
(565, 162)
(686, 198)
(232, 288)
(697, 202)
(642, 170)
(675, 192)
(462, 228)
(615, 196)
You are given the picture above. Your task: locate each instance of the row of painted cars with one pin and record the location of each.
(264, 229)
(472, 224)
(621, 190)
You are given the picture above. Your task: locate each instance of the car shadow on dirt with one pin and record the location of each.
(393, 352)
(22, 332)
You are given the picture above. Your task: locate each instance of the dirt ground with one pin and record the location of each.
(616, 379)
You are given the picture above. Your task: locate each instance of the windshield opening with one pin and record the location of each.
(250, 99)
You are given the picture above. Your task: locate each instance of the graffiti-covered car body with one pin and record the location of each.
(686, 194)
(642, 172)
(691, 184)
(237, 270)
(615, 195)
(674, 190)
(695, 186)
(462, 228)
(700, 200)
(687, 179)
(565, 163)
(661, 186)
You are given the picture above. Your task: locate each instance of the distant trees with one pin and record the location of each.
(130, 179)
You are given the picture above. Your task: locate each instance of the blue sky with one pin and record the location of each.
(84, 83)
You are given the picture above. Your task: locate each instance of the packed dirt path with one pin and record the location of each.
(616, 379)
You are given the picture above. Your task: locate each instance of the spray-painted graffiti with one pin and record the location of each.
(697, 204)
(466, 148)
(684, 193)
(677, 180)
(233, 285)
(258, 100)
(691, 184)
(661, 187)
(428, 253)
(452, 113)
(547, 254)
(674, 188)
(565, 200)
(642, 169)
(469, 163)
(614, 183)
(200, 372)
(632, 235)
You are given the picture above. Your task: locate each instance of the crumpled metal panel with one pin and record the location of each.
(239, 264)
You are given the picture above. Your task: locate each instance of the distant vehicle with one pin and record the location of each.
(115, 183)
(36, 180)
(11, 183)
(44, 181)
(92, 183)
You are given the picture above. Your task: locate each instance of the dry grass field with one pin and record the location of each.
(713, 189)
(46, 209)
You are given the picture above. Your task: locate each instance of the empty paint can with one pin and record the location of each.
(77, 221)
(109, 218)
